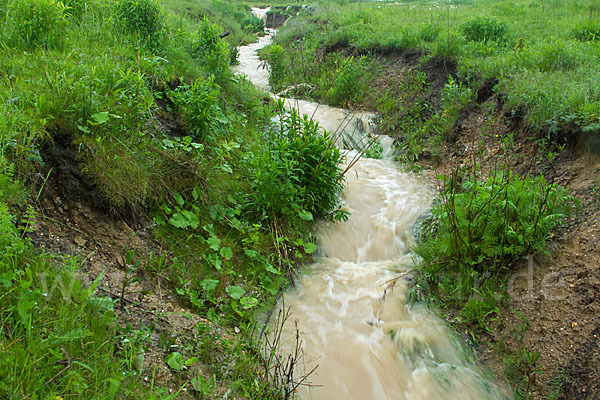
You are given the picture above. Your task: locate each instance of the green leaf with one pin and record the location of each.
(235, 292)
(83, 129)
(71, 336)
(310, 248)
(100, 118)
(248, 302)
(175, 361)
(214, 243)
(179, 199)
(209, 284)
(226, 168)
(251, 253)
(305, 215)
(191, 361)
(226, 253)
(200, 384)
(104, 303)
(178, 221)
(192, 219)
(196, 192)
(272, 269)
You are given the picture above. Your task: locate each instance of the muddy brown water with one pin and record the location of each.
(355, 325)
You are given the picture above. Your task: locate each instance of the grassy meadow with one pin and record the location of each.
(544, 53)
(140, 94)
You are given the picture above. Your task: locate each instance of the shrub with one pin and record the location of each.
(429, 32)
(140, 17)
(479, 229)
(33, 23)
(489, 225)
(484, 29)
(253, 24)
(349, 85)
(279, 63)
(297, 173)
(198, 106)
(212, 51)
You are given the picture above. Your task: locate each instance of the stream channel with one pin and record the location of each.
(354, 323)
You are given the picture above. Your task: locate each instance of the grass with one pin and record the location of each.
(141, 93)
(544, 54)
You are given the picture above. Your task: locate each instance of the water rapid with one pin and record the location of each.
(351, 312)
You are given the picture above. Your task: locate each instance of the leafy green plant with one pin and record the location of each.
(198, 105)
(279, 63)
(485, 29)
(210, 49)
(141, 18)
(350, 82)
(588, 32)
(479, 229)
(297, 174)
(35, 23)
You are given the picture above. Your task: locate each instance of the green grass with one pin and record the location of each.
(544, 53)
(142, 93)
(57, 338)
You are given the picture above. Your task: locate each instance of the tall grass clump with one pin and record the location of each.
(210, 49)
(349, 83)
(588, 32)
(198, 105)
(141, 18)
(485, 29)
(34, 23)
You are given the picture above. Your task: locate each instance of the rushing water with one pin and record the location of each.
(351, 312)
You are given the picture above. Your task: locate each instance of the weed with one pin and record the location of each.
(480, 228)
(556, 384)
(588, 32)
(485, 29)
(35, 23)
(350, 82)
(141, 18)
(198, 104)
(297, 176)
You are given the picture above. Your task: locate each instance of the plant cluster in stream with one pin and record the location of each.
(483, 223)
(297, 175)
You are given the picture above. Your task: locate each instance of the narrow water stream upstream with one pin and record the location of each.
(354, 324)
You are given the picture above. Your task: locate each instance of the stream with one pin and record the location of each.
(354, 323)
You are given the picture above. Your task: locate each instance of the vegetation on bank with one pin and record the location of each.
(141, 94)
(543, 54)
(422, 66)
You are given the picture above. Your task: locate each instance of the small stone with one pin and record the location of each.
(574, 324)
(80, 241)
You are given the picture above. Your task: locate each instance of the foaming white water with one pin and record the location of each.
(251, 65)
(354, 323)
